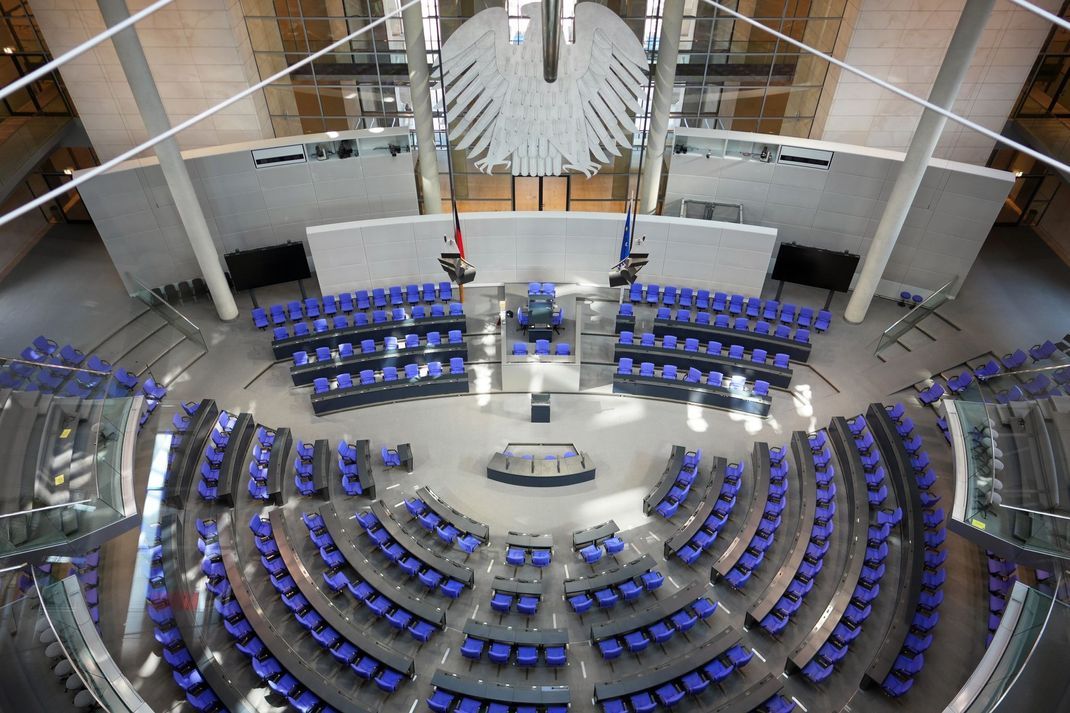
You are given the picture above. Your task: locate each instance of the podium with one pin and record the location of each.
(540, 408)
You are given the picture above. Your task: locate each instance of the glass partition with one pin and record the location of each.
(68, 466)
(171, 315)
(911, 319)
(1010, 469)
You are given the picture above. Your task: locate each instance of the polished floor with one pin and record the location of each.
(1016, 296)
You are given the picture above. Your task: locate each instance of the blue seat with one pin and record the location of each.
(501, 602)
(472, 648)
(499, 652)
(610, 648)
(580, 603)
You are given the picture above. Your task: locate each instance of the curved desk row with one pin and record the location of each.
(541, 473)
(187, 619)
(594, 535)
(495, 692)
(321, 468)
(632, 570)
(753, 520)
(661, 609)
(531, 542)
(798, 351)
(414, 547)
(667, 480)
(383, 392)
(344, 539)
(235, 458)
(279, 464)
(520, 587)
(704, 362)
(305, 374)
(285, 348)
(912, 546)
(705, 507)
(277, 642)
(806, 482)
(692, 393)
(512, 635)
(323, 603)
(852, 477)
(188, 447)
(456, 518)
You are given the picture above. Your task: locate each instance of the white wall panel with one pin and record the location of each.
(839, 208)
(548, 247)
(246, 207)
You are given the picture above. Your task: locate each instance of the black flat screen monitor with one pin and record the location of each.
(816, 267)
(267, 266)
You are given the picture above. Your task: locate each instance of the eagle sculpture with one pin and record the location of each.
(505, 112)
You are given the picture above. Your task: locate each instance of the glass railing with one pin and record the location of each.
(169, 314)
(907, 322)
(1023, 665)
(67, 471)
(68, 615)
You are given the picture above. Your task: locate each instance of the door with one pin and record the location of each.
(540, 193)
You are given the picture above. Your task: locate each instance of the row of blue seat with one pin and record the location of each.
(337, 579)
(659, 632)
(692, 683)
(546, 289)
(412, 372)
(723, 321)
(349, 465)
(340, 648)
(866, 589)
(360, 319)
(670, 504)
(346, 302)
(76, 380)
(821, 528)
(166, 632)
(503, 602)
(264, 665)
(627, 590)
(1002, 574)
(911, 659)
(776, 499)
(214, 453)
(303, 472)
(706, 535)
(734, 304)
(542, 348)
(369, 346)
(405, 560)
(593, 552)
(502, 652)
(713, 348)
(737, 382)
(258, 464)
(518, 556)
(446, 532)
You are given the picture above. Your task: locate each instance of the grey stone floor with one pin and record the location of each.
(1017, 295)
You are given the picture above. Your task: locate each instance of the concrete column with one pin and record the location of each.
(946, 87)
(672, 20)
(412, 21)
(136, 68)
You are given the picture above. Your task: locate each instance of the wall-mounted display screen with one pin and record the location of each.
(816, 267)
(267, 266)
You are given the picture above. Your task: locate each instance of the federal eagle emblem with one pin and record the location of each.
(505, 114)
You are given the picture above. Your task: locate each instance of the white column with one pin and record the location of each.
(672, 20)
(412, 22)
(946, 87)
(147, 97)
